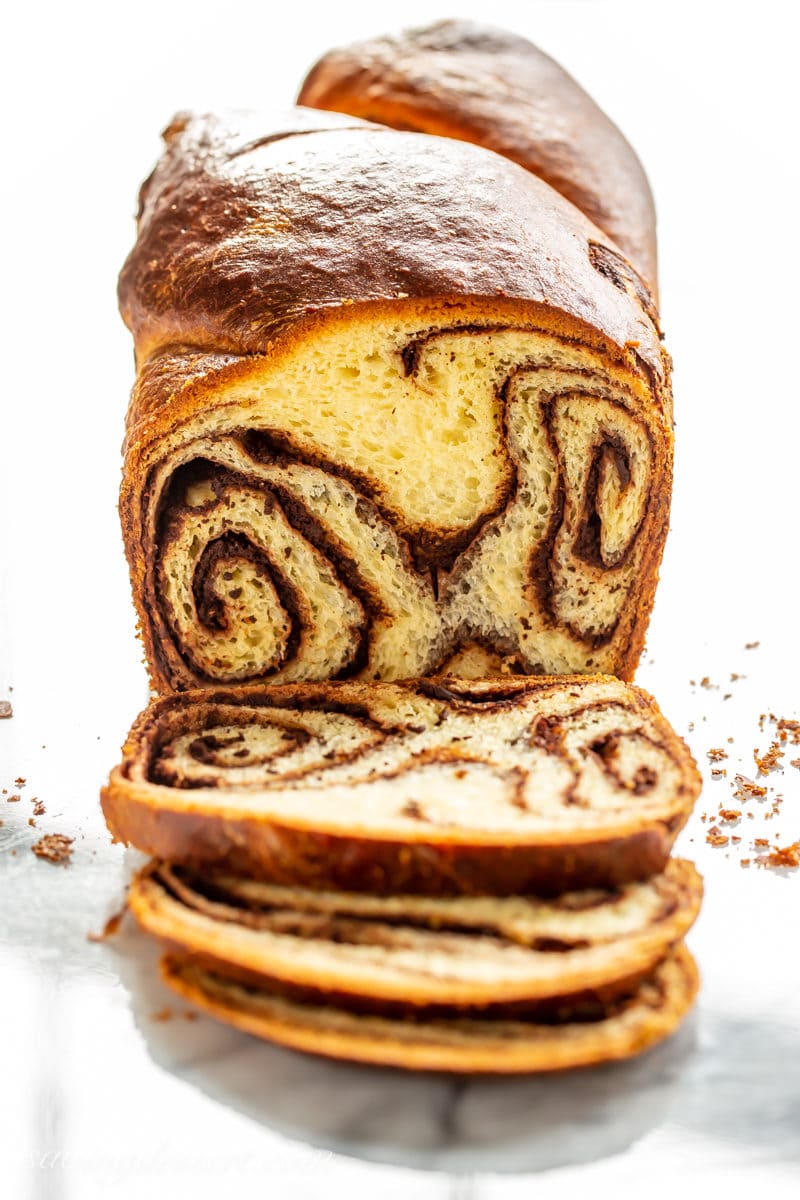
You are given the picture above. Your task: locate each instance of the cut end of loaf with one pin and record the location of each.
(389, 499)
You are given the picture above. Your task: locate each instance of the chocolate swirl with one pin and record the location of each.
(439, 787)
(275, 553)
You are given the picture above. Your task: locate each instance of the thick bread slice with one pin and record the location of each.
(398, 403)
(463, 80)
(464, 1044)
(513, 786)
(418, 950)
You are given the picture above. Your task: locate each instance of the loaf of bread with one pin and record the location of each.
(494, 88)
(602, 1031)
(414, 951)
(402, 412)
(503, 787)
(400, 409)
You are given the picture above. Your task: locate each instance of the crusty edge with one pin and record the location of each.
(545, 1052)
(265, 849)
(197, 830)
(203, 937)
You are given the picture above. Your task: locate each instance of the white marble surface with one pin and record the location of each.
(96, 1096)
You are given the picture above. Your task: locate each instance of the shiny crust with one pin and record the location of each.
(285, 943)
(494, 88)
(252, 229)
(464, 1045)
(204, 827)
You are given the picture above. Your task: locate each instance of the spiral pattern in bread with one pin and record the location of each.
(500, 787)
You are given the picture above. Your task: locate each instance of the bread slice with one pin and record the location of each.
(399, 405)
(507, 786)
(623, 1027)
(416, 950)
(463, 80)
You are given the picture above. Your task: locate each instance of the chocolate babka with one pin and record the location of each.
(449, 786)
(400, 409)
(488, 86)
(402, 412)
(420, 951)
(593, 1032)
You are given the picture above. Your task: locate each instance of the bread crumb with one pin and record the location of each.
(54, 848)
(6, 710)
(715, 838)
(781, 856)
(770, 760)
(746, 789)
(110, 928)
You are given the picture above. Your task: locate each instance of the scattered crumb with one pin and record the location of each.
(781, 856)
(54, 848)
(13, 799)
(746, 789)
(789, 731)
(163, 1014)
(110, 928)
(715, 838)
(32, 821)
(6, 710)
(718, 773)
(730, 814)
(19, 781)
(38, 807)
(752, 645)
(744, 862)
(716, 754)
(770, 760)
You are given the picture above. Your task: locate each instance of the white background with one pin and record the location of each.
(707, 94)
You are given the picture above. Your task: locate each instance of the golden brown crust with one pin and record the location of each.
(499, 1046)
(250, 226)
(418, 958)
(207, 826)
(483, 85)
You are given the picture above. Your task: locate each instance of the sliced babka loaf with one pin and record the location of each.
(492, 87)
(420, 951)
(448, 786)
(400, 408)
(594, 1032)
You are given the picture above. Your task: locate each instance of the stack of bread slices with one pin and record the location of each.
(440, 874)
